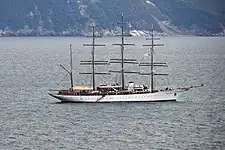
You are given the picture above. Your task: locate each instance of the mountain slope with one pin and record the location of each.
(74, 17)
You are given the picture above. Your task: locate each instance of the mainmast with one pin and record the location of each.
(71, 68)
(122, 23)
(93, 62)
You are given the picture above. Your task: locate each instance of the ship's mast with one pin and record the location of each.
(93, 57)
(122, 50)
(152, 52)
(93, 62)
(152, 64)
(122, 23)
(71, 68)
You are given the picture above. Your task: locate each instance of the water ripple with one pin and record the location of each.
(30, 119)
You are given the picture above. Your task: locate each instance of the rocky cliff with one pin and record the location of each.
(74, 17)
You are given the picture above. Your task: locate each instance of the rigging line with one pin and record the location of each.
(66, 75)
(163, 80)
(168, 80)
(117, 78)
(144, 57)
(165, 55)
(104, 80)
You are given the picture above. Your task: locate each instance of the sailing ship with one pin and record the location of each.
(117, 92)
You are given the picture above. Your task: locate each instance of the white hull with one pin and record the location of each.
(147, 97)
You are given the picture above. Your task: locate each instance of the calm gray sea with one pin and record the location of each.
(31, 119)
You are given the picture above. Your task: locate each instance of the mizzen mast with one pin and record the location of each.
(71, 67)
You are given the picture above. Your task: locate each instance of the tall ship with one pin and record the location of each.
(118, 92)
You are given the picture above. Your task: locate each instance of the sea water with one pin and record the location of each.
(31, 119)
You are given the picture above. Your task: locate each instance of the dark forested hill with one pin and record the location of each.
(73, 17)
